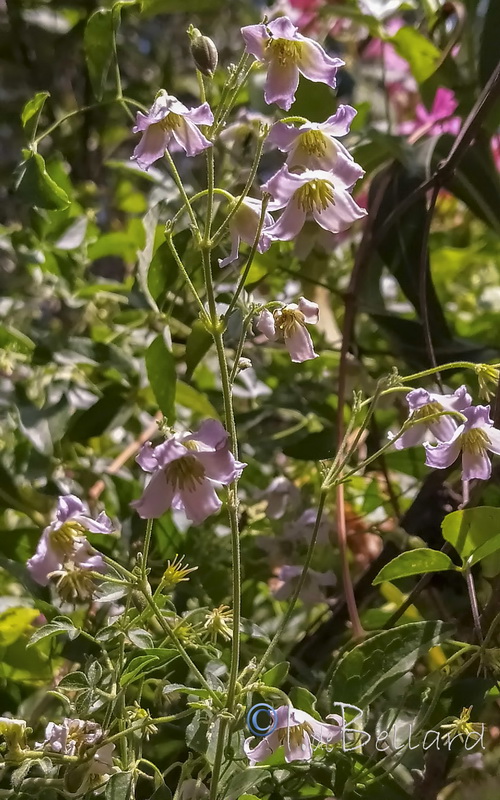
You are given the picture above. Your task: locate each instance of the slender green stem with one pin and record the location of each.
(251, 256)
(196, 197)
(178, 261)
(185, 199)
(209, 154)
(239, 348)
(147, 545)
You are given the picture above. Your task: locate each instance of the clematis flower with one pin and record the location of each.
(71, 736)
(168, 118)
(282, 495)
(186, 468)
(301, 530)
(422, 403)
(289, 321)
(285, 52)
(315, 194)
(244, 225)
(313, 145)
(64, 541)
(294, 729)
(474, 438)
(438, 120)
(311, 593)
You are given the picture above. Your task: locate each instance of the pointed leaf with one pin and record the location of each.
(414, 562)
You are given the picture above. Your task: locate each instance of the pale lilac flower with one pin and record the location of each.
(438, 120)
(289, 321)
(168, 118)
(301, 530)
(64, 541)
(186, 468)
(281, 494)
(421, 404)
(102, 762)
(473, 439)
(311, 593)
(244, 225)
(315, 194)
(192, 789)
(285, 52)
(294, 730)
(313, 145)
(70, 736)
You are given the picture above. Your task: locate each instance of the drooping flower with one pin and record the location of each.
(438, 120)
(473, 438)
(289, 322)
(315, 194)
(244, 226)
(64, 541)
(288, 576)
(185, 471)
(168, 118)
(294, 729)
(285, 52)
(421, 404)
(313, 145)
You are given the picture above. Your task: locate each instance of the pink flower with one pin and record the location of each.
(473, 439)
(290, 321)
(64, 541)
(314, 146)
(244, 225)
(422, 403)
(438, 120)
(285, 52)
(311, 592)
(168, 118)
(315, 194)
(294, 729)
(186, 468)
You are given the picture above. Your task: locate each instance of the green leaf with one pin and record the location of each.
(119, 786)
(14, 623)
(58, 625)
(189, 397)
(140, 638)
(485, 550)
(367, 670)
(414, 562)
(151, 8)
(98, 42)
(36, 187)
(469, 529)
(163, 270)
(422, 55)
(160, 366)
(240, 781)
(31, 113)
(276, 675)
(75, 681)
(198, 344)
(136, 668)
(303, 699)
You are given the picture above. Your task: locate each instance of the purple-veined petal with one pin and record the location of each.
(156, 497)
(255, 38)
(281, 83)
(200, 502)
(444, 454)
(310, 310)
(283, 184)
(235, 248)
(190, 137)
(299, 344)
(265, 748)
(283, 28)
(412, 437)
(493, 435)
(316, 65)
(146, 458)
(68, 506)
(297, 750)
(200, 115)
(340, 215)
(45, 560)
(477, 417)
(339, 123)
(152, 146)
(266, 325)
(443, 428)
(475, 465)
(418, 398)
(289, 223)
(284, 136)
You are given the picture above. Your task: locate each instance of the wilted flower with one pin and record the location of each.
(315, 194)
(186, 468)
(169, 117)
(64, 541)
(288, 576)
(438, 120)
(294, 730)
(421, 404)
(14, 733)
(244, 226)
(462, 727)
(219, 622)
(176, 572)
(473, 439)
(289, 321)
(313, 145)
(71, 737)
(285, 52)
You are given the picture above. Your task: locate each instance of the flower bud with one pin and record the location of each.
(204, 52)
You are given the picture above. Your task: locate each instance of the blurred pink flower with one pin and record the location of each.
(286, 53)
(244, 225)
(287, 578)
(290, 321)
(438, 120)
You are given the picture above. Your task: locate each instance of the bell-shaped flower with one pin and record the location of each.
(473, 439)
(312, 194)
(294, 729)
(287, 577)
(313, 145)
(64, 540)
(286, 53)
(422, 404)
(289, 323)
(243, 227)
(185, 471)
(168, 118)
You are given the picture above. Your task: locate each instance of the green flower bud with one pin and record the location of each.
(204, 52)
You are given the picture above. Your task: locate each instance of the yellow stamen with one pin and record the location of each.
(287, 319)
(475, 442)
(176, 572)
(62, 539)
(317, 194)
(170, 122)
(313, 142)
(285, 51)
(185, 473)
(427, 410)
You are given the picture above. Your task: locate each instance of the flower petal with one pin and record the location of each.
(264, 749)
(457, 401)
(146, 458)
(212, 434)
(310, 310)
(190, 137)
(266, 325)
(235, 249)
(475, 465)
(152, 146)
(282, 185)
(444, 454)
(221, 467)
(200, 115)
(68, 506)
(493, 435)
(477, 417)
(411, 438)
(45, 560)
(284, 136)
(156, 497)
(255, 38)
(289, 224)
(418, 398)
(281, 83)
(443, 429)
(316, 65)
(340, 215)
(299, 344)
(298, 750)
(339, 123)
(283, 28)
(200, 502)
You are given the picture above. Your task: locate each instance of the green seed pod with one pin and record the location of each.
(204, 52)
